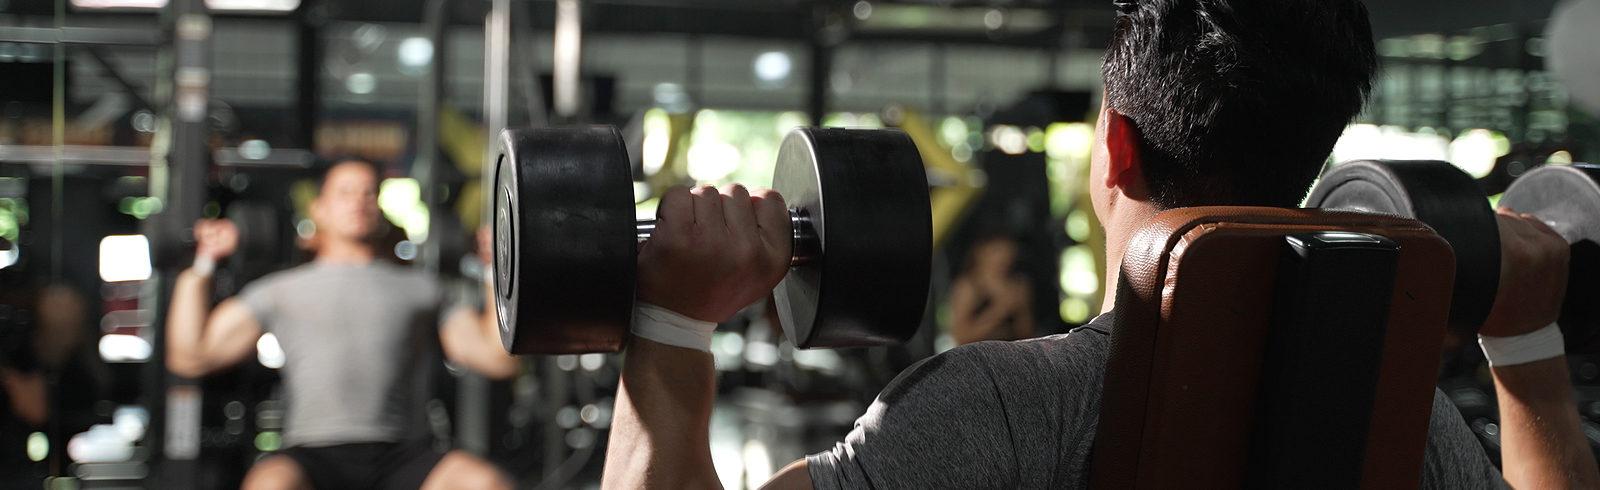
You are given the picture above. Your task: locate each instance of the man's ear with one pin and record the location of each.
(1124, 168)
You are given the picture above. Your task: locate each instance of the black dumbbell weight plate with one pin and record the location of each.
(565, 247)
(1568, 199)
(1439, 195)
(865, 194)
(262, 243)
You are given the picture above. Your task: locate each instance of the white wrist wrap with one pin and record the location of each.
(204, 266)
(668, 327)
(1537, 345)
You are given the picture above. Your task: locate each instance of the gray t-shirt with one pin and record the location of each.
(354, 339)
(1023, 415)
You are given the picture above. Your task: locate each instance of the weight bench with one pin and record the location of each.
(1273, 348)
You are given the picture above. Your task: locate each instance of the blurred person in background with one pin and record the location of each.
(990, 300)
(354, 329)
(50, 375)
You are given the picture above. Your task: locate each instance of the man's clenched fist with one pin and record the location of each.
(713, 253)
(1533, 276)
(215, 239)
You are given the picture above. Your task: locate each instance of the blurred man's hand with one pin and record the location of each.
(215, 239)
(486, 244)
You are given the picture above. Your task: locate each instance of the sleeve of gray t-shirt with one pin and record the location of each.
(936, 425)
(447, 296)
(260, 298)
(1454, 458)
(984, 415)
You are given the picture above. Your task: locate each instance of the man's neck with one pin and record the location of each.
(1125, 221)
(345, 252)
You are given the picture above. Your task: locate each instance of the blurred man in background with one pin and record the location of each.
(990, 300)
(49, 376)
(355, 331)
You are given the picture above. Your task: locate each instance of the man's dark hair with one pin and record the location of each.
(322, 173)
(1237, 102)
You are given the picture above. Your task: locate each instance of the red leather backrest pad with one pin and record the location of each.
(1193, 304)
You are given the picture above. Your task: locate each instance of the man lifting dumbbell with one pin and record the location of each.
(1438, 193)
(1207, 103)
(567, 244)
(352, 329)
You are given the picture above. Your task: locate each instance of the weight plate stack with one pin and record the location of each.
(1567, 197)
(565, 247)
(865, 194)
(1441, 196)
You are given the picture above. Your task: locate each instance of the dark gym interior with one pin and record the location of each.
(942, 165)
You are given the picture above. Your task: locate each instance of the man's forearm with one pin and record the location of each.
(660, 436)
(186, 319)
(1542, 444)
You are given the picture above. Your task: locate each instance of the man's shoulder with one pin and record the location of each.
(1074, 360)
(1079, 352)
(987, 414)
(1077, 340)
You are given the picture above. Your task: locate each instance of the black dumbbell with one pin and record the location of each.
(1450, 201)
(566, 238)
(263, 236)
(1439, 195)
(263, 243)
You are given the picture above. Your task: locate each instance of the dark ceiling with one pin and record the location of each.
(795, 18)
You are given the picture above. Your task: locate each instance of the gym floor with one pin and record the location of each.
(123, 123)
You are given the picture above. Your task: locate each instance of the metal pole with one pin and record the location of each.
(1063, 42)
(821, 69)
(1528, 65)
(567, 62)
(528, 68)
(58, 134)
(472, 390)
(308, 63)
(496, 84)
(694, 71)
(178, 178)
(430, 100)
(936, 76)
(821, 66)
(497, 67)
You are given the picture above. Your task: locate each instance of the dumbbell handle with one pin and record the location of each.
(806, 244)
